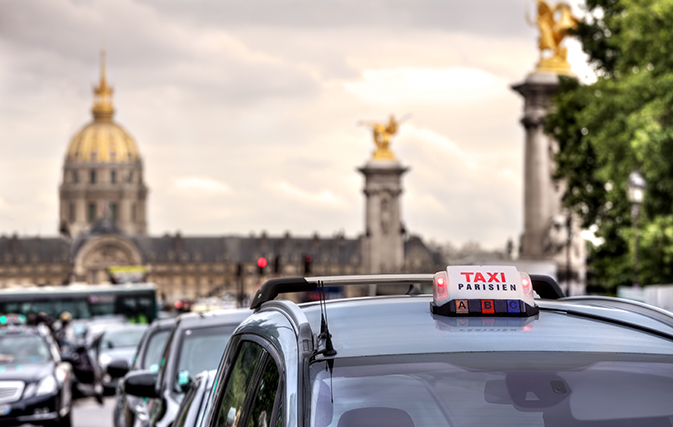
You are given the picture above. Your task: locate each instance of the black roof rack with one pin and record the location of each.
(545, 286)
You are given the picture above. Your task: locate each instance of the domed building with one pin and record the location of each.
(103, 173)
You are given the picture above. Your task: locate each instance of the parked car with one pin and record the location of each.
(118, 343)
(131, 410)
(35, 384)
(195, 344)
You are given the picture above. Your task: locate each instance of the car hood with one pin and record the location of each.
(29, 372)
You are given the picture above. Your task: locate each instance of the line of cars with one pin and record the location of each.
(489, 346)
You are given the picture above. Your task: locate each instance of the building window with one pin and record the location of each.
(113, 212)
(75, 177)
(92, 212)
(134, 214)
(113, 177)
(72, 214)
(92, 176)
(130, 176)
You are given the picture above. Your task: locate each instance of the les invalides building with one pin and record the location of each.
(104, 230)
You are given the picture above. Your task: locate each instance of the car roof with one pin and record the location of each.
(405, 325)
(216, 317)
(163, 323)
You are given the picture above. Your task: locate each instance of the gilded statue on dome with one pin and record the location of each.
(554, 23)
(382, 134)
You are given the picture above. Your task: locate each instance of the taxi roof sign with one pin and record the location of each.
(483, 290)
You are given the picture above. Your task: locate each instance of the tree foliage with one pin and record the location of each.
(621, 123)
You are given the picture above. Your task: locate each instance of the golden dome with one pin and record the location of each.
(103, 140)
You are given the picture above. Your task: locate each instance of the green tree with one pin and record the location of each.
(621, 123)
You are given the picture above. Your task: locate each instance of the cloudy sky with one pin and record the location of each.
(246, 111)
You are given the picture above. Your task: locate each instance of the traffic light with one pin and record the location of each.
(308, 259)
(276, 265)
(261, 263)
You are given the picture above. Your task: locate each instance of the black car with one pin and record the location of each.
(132, 410)
(118, 343)
(195, 344)
(35, 385)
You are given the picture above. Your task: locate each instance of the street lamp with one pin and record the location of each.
(636, 193)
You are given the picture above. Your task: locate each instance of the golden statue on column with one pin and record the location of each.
(382, 134)
(554, 23)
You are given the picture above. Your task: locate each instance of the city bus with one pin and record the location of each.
(136, 302)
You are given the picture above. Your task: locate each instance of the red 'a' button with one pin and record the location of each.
(487, 306)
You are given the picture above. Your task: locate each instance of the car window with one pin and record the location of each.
(155, 347)
(239, 384)
(265, 396)
(200, 350)
(17, 349)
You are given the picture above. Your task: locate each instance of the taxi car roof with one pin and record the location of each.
(405, 325)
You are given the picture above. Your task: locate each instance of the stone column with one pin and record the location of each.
(384, 231)
(546, 235)
(541, 194)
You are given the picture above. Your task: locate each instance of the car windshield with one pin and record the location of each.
(200, 350)
(155, 348)
(23, 349)
(122, 338)
(503, 389)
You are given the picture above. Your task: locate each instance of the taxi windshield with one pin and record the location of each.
(23, 349)
(503, 389)
(201, 350)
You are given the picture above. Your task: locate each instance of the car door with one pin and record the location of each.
(251, 395)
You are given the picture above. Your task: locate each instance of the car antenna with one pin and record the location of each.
(324, 325)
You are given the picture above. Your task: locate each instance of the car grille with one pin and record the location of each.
(10, 391)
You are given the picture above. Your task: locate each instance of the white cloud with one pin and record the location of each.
(322, 197)
(201, 186)
(409, 85)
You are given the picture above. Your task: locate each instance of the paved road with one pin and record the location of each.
(88, 413)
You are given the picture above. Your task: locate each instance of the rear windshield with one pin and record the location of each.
(494, 389)
(23, 349)
(200, 350)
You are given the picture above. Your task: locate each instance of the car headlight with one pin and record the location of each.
(104, 360)
(47, 385)
(61, 374)
(29, 390)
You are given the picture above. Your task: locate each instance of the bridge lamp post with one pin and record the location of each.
(636, 195)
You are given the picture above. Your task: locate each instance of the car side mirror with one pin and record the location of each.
(117, 368)
(140, 383)
(184, 381)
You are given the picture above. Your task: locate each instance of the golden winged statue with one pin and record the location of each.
(554, 23)
(382, 133)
